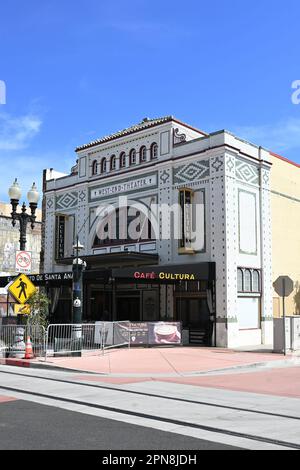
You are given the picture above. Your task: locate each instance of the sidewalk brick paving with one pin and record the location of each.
(229, 369)
(179, 361)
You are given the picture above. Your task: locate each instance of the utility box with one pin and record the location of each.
(296, 333)
(292, 334)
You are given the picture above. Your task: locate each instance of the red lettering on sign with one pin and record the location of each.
(139, 275)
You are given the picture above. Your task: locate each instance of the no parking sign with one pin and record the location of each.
(23, 262)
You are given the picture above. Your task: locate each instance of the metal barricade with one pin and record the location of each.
(13, 339)
(114, 334)
(71, 339)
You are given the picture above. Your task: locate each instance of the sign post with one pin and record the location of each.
(283, 286)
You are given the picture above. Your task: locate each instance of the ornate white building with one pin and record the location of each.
(220, 287)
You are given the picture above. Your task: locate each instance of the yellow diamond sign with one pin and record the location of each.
(22, 289)
(22, 309)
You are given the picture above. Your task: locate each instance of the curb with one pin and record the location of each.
(247, 367)
(15, 362)
(242, 367)
(44, 366)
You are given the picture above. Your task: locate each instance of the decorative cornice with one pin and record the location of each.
(144, 124)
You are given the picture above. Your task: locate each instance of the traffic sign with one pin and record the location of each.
(283, 286)
(22, 288)
(22, 309)
(23, 262)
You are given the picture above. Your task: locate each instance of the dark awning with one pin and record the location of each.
(170, 274)
(118, 259)
(164, 274)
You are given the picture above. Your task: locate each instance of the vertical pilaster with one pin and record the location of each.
(266, 257)
(223, 220)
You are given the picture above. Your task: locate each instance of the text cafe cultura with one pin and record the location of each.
(164, 276)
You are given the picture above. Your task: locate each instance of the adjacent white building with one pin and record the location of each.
(218, 284)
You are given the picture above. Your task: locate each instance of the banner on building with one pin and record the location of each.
(148, 333)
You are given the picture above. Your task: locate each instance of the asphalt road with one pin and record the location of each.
(30, 426)
(47, 409)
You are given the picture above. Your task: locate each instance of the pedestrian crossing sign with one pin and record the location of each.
(22, 289)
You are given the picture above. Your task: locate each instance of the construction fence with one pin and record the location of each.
(69, 339)
(14, 337)
(76, 339)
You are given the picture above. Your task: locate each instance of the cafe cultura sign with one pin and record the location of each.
(164, 276)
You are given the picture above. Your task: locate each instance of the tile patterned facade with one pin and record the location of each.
(209, 164)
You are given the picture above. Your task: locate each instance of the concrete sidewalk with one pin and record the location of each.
(164, 362)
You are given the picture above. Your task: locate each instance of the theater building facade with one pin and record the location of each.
(204, 259)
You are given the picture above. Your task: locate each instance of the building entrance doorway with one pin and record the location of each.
(98, 304)
(194, 314)
(128, 308)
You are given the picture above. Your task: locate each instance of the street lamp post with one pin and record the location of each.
(78, 267)
(33, 196)
(23, 218)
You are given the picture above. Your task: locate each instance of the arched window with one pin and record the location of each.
(247, 280)
(255, 282)
(116, 228)
(143, 154)
(122, 160)
(103, 165)
(94, 167)
(132, 157)
(154, 151)
(113, 162)
(240, 280)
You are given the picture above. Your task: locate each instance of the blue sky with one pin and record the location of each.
(77, 70)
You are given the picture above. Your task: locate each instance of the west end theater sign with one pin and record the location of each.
(123, 186)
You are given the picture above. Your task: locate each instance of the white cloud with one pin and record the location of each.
(278, 137)
(16, 133)
(18, 160)
(28, 168)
